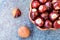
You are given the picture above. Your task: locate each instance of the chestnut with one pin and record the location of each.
(48, 24)
(34, 13)
(53, 15)
(42, 8)
(56, 6)
(39, 22)
(57, 24)
(16, 12)
(49, 6)
(44, 15)
(35, 4)
(42, 1)
(23, 32)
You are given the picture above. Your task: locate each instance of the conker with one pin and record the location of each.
(48, 24)
(56, 6)
(53, 15)
(39, 22)
(42, 8)
(23, 32)
(49, 5)
(34, 13)
(57, 24)
(16, 12)
(35, 4)
(44, 15)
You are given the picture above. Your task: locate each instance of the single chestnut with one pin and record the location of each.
(56, 6)
(16, 12)
(44, 15)
(48, 24)
(23, 32)
(42, 8)
(42, 1)
(35, 4)
(57, 24)
(49, 6)
(34, 13)
(39, 22)
(53, 15)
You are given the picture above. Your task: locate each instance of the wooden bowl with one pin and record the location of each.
(33, 21)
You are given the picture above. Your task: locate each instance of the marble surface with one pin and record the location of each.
(10, 25)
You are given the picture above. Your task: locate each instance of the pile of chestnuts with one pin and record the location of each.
(45, 13)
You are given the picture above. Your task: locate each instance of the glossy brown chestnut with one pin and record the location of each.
(42, 1)
(53, 15)
(57, 24)
(35, 4)
(16, 12)
(48, 24)
(39, 22)
(49, 5)
(44, 15)
(42, 8)
(34, 14)
(56, 6)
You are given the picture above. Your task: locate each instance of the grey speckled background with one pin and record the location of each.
(10, 25)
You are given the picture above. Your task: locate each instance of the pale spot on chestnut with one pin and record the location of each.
(39, 22)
